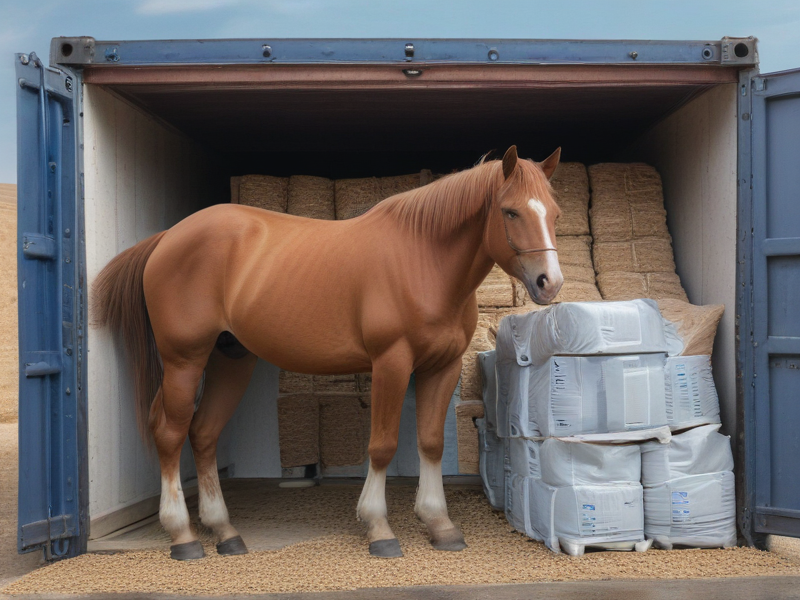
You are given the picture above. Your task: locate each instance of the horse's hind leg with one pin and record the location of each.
(434, 390)
(170, 417)
(389, 383)
(226, 382)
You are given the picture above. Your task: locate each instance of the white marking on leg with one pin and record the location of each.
(172, 511)
(430, 505)
(372, 506)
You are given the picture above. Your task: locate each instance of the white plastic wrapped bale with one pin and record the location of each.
(698, 511)
(689, 490)
(690, 394)
(524, 457)
(581, 328)
(486, 361)
(573, 518)
(572, 463)
(518, 505)
(491, 464)
(570, 395)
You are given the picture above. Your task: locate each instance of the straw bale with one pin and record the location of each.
(639, 256)
(343, 430)
(398, 184)
(576, 274)
(325, 384)
(482, 340)
(311, 197)
(574, 250)
(364, 382)
(571, 191)
(298, 430)
(262, 191)
(520, 293)
(578, 291)
(295, 383)
(627, 202)
(497, 289)
(629, 286)
(467, 435)
(354, 197)
(697, 325)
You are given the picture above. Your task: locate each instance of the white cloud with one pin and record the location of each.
(162, 7)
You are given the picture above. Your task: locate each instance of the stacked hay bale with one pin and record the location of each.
(354, 197)
(632, 246)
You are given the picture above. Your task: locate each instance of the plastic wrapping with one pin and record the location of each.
(570, 395)
(491, 464)
(581, 328)
(575, 517)
(695, 452)
(698, 511)
(690, 394)
(486, 361)
(524, 457)
(569, 464)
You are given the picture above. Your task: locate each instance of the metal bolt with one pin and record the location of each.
(266, 50)
(111, 55)
(523, 357)
(634, 55)
(707, 53)
(745, 116)
(68, 391)
(68, 260)
(68, 84)
(24, 59)
(493, 54)
(69, 351)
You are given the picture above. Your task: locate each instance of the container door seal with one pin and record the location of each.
(52, 449)
(774, 412)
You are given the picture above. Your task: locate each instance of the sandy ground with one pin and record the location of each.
(8, 304)
(338, 559)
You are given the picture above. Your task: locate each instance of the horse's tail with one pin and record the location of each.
(118, 301)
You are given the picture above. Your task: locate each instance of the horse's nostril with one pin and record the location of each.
(541, 280)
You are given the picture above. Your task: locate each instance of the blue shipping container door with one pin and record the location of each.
(776, 304)
(51, 410)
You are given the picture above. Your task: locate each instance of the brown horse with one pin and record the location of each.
(391, 292)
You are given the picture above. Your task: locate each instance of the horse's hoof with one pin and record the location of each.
(450, 541)
(188, 551)
(232, 547)
(386, 548)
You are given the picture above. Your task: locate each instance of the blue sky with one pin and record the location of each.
(29, 26)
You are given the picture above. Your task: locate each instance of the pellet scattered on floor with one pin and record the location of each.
(338, 559)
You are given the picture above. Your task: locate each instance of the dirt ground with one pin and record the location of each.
(8, 304)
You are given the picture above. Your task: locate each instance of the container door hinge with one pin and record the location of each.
(54, 528)
(759, 84)
(38, 246)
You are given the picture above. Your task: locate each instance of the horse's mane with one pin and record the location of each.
(439, 209)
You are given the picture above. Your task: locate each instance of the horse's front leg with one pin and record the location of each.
(434, 391)
(390, 375)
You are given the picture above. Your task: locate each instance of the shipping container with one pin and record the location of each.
(118, 140)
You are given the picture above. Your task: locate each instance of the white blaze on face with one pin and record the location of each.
(540, 210)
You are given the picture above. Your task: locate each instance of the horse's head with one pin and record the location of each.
(520, 229)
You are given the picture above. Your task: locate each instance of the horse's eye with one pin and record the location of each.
(511, 214)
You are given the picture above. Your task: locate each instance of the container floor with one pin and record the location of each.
(324, 548)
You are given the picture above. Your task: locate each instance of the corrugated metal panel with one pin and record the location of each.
(775, 344)
(51, 409)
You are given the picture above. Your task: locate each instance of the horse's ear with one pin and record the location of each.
(509, 161)
(550, 163)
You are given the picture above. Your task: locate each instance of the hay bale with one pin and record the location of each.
(261, 191)
(697, 325)
(629, 286)
(343, 430)
(571, 192)
(298, 430)
(295, 383)
(482, 340)
(578, 291)
(354, 197)
(521, 297)
(364, 382)
(639, 256)
(467, 436)
(345, 384)
(311, 197)
(627, 202)
(497, 289)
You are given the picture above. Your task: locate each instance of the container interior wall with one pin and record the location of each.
(695, 150)
(141, 177)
